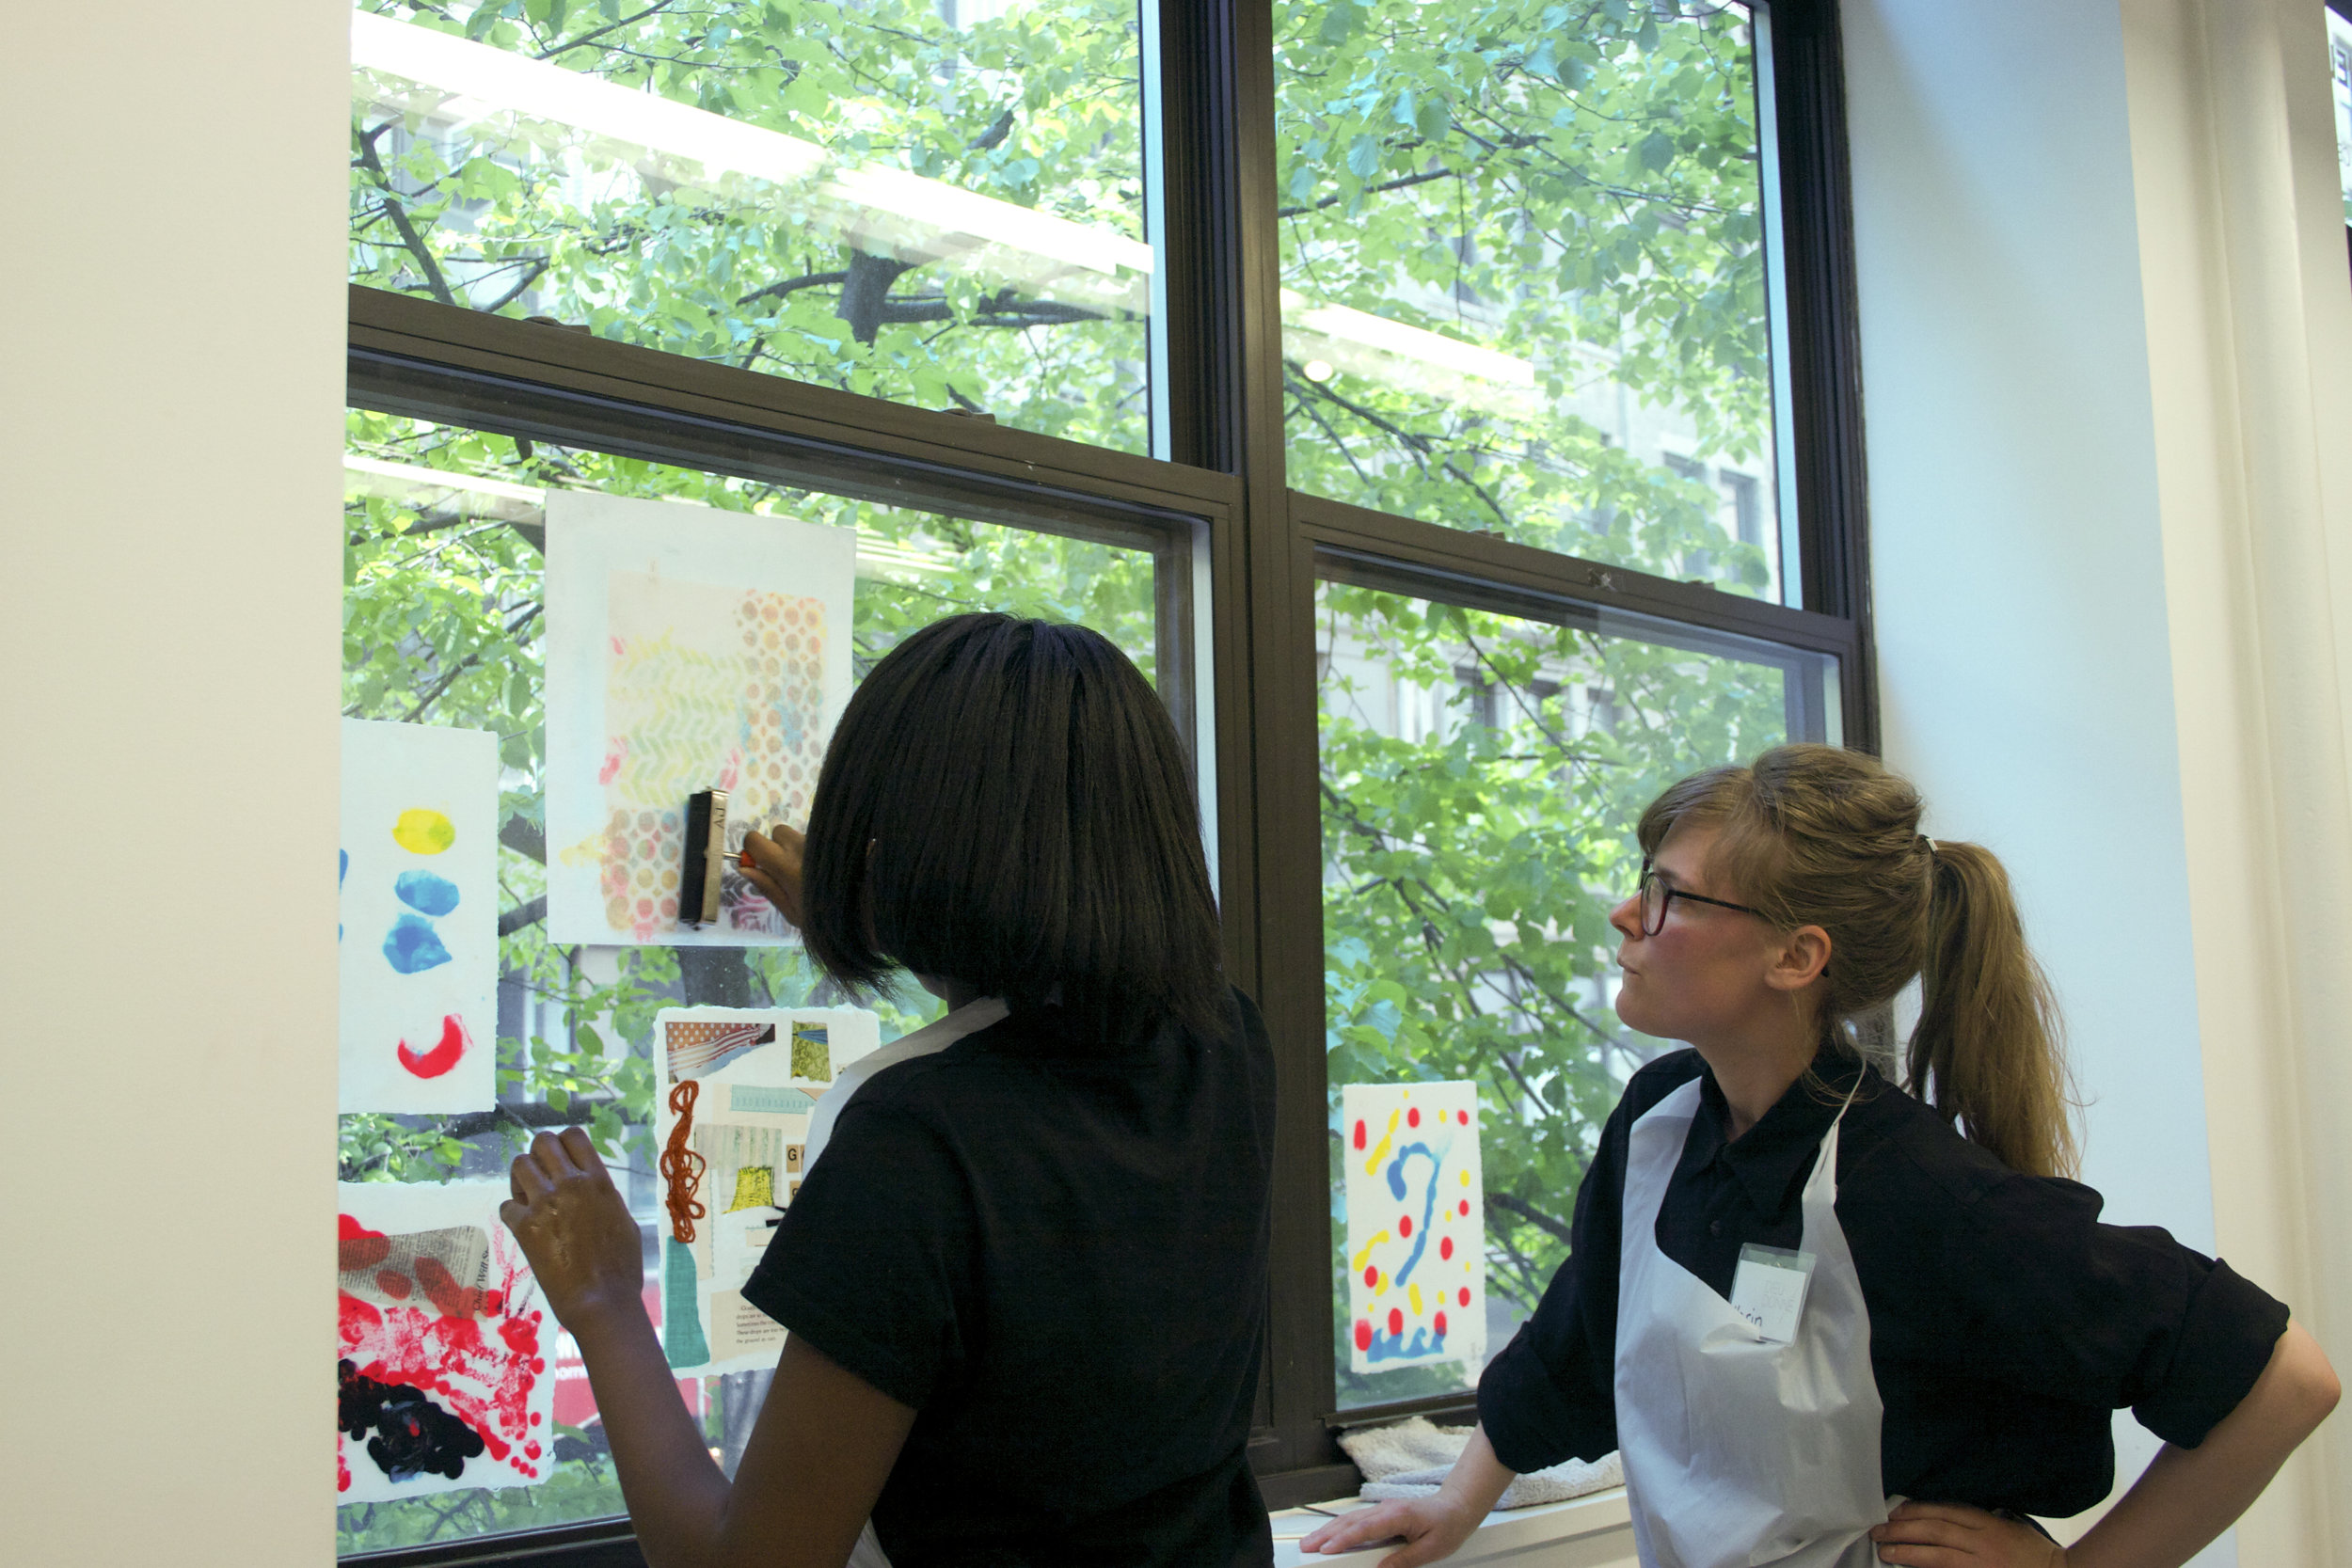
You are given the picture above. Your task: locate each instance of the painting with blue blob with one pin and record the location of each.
(1414, 1193)
(426, 892)
(414, 946)
(417, 874)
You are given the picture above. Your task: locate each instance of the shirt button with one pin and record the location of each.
(1714, 1228)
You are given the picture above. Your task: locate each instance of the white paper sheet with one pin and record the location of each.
(759, 1074)
(418, 998)
(1415, 1224)
(687, 649)
(442, 1334)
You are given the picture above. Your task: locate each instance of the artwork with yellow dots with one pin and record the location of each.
(1415, 1224)
(687, 649)
(417, 919)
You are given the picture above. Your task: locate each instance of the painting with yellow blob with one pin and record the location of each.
(418, 918)
(1415, 1224)
(688, 649)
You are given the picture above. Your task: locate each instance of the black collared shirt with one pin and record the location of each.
(2006, 1322)
(1054, 1248)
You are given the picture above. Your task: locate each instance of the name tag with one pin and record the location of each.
(1769, 1290)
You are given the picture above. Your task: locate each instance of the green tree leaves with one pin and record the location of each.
(1571, 185)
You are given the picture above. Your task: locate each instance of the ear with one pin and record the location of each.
(1803, 954)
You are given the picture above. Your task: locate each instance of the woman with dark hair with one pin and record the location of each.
(1026, 1273)
(1799, 1294)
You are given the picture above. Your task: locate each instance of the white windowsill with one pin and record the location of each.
(1511, 1534)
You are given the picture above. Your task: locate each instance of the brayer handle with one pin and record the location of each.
(706, 857)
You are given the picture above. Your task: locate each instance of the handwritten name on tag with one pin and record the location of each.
(1769, 1290)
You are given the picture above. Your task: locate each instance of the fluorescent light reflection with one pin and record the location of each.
(400, 68)
(501, 500)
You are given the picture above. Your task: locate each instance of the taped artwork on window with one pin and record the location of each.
(741, 1083)
(417, 919)
(442, 1375)
(688, 649)
(1415, 1224)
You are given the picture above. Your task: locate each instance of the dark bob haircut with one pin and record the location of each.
(1005, 804)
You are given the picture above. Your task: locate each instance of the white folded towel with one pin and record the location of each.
(1412, 1458)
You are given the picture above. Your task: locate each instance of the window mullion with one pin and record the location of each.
(1826, 349)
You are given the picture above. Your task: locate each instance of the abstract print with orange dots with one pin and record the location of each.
(1415, 1224)
(708, 687)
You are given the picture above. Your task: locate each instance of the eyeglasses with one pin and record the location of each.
(1657, 897)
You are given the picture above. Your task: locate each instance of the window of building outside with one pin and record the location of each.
(1523, 428)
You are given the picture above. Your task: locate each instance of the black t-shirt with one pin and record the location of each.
(2006, 1322)
(1053, 1248)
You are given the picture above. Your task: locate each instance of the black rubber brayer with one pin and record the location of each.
(706, 857)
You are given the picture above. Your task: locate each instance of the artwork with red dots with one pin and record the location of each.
(417, 919)
(1415, 1224)
(688, 649)
(443, 1382)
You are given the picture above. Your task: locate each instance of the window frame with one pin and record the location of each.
(1217, 388)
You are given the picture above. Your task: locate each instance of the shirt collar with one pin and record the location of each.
(1772, 1158)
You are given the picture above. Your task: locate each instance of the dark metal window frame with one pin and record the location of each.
(1268, 547)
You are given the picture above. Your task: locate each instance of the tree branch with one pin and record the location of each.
(609, 28)
(538, 269)
(523, 915)
(1532, 1214)
(1396, 184)
(790, 285)
(464, 664)
(398, 212)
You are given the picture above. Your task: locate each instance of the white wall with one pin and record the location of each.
(169, 419)
(2250, 346)
(2016, 553)
(2063, 669)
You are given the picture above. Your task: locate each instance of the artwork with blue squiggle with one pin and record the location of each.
(1413, 1208)
(1428, 1203)
(1423, 1342)
(1391, 1347)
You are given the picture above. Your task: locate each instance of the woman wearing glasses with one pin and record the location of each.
(1798, 1293)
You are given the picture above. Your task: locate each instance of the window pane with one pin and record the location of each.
(938, 201)
(442, 624)
(2340, 68)
(1482, 774)
(1524, 276)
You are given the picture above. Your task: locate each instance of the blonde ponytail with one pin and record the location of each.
(1814, 835)
(1986, 1051)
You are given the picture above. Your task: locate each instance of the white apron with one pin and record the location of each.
(970, 1019)
(1738, 1451)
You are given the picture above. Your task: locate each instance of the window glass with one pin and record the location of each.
(938, 201)
(443, 624)
(1525, 267)
(1481, 777)
(2339, 69)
